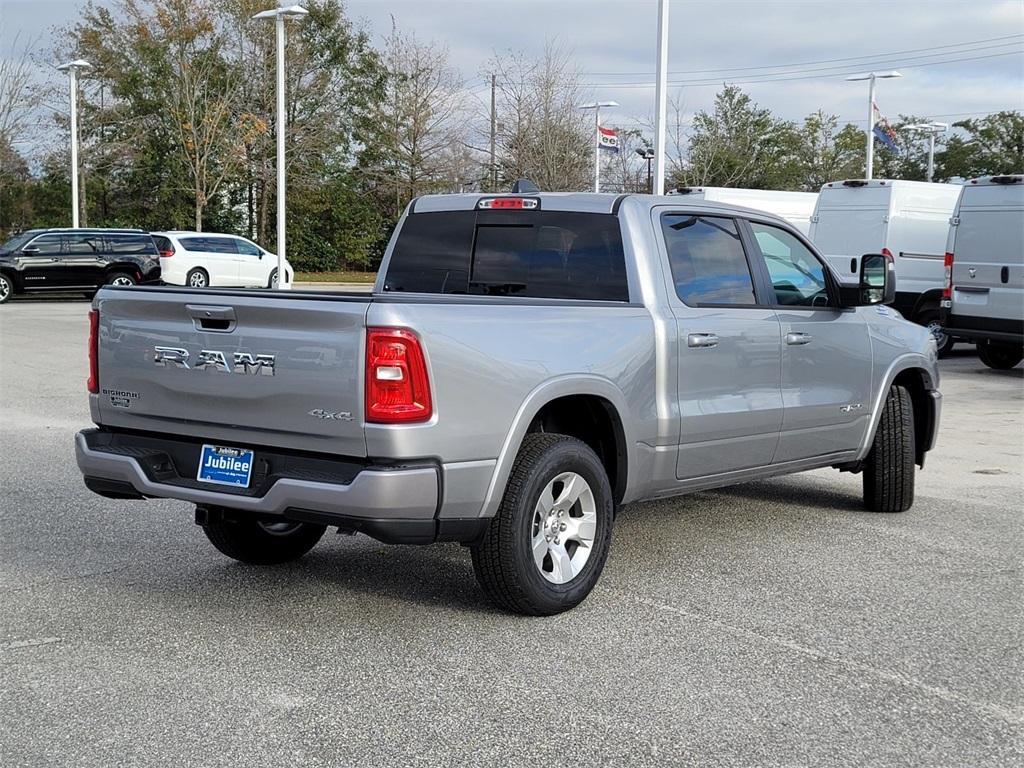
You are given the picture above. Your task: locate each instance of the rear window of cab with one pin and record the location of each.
(530, 254)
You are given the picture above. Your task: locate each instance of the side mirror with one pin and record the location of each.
(877, 283)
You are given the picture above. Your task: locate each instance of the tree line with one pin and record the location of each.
(177, 131)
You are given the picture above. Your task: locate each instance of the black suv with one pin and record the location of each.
(66, 260)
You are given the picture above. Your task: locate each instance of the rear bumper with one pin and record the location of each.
(394, 504)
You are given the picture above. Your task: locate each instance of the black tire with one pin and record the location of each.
(6, 288)
(503, 561)
(250, 542)
(930, 319)
(120, 278)
(889, 468)
(1000, 355)
(272, 278)
(197, 278)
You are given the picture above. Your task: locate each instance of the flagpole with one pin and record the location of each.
(869, 163)
(661, 99)
(597, 148)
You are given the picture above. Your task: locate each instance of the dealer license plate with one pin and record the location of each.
(225, 466)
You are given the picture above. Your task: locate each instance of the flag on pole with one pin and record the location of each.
(884, 132)
(607, 138)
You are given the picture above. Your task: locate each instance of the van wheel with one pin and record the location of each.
(261, 543)
(6, 289)
(545, 549)
(929, 318)
(889, 468)
(120, 279)
(1000, 355)
(197, 278)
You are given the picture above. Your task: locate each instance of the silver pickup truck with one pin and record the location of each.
(525, 365)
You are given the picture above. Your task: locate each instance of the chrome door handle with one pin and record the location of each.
(702, 340)
(796, 339)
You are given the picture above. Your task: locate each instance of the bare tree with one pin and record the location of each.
(421, 119)
(542, 134)
(17, 98)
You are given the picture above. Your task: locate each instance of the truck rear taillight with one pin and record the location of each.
(93, 383)
(508, 203)
(397, 384)
(947, 289)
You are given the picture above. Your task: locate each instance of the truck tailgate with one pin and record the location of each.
(237, 367)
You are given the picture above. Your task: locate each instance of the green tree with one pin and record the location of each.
(990, 145)
(826, 152)
(740, 144)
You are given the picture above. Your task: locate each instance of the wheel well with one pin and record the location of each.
(131, 269)
(12, 276)
(926, 300)
(918, 383)
(595, 421)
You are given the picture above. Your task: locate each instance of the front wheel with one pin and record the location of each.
(545, 549)
(889, 468)
(1000, 355)
(6, 289)
(261, 543)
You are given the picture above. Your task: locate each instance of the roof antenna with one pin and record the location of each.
(525, 187)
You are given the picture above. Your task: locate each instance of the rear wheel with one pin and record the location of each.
(121, 279)
(261, 543)
(929, 318)
(6, 289)
(545, 549)
(1000, 355)
(272, 280)
(889, 468)
(197, 278)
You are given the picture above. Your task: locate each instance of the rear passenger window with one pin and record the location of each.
(533, 254)
(83, 244)
(131, 244)
(707, 260)
(208, 244)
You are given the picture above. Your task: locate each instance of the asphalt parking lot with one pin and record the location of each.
(775, 623)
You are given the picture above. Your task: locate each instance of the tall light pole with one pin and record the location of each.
(933, 130)
(869, 162)
(73, 68)
(661, 100)
(647, 154)
(596, 106)
(280, 15)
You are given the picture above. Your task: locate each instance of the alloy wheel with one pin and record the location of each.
(122, 280)
(5, 288)
(563, 528)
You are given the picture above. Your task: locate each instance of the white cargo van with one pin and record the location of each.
(908, 220)
(984, 296)
(794, 207)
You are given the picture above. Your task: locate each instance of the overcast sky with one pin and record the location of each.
(614, 43)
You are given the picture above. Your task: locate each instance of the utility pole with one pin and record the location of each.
(661, 99)
(596, 106)
(932, 129)
(869, 159)
(494, 133)
(73, 68)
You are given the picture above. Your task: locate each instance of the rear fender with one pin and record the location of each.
(543, 394)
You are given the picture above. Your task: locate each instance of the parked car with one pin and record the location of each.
(795, 207)
(984, 296)
(75, 260)
(525, 365)
(208, 259)
(907, 219)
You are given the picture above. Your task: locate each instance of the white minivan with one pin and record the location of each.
(984, 296)
(907, 220)
(209, 259)
(794, 207)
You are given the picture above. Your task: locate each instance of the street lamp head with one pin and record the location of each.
(76, 65)
(600, 105)
(290, 12)
(647, 153)
(928, 127)
(875, 75)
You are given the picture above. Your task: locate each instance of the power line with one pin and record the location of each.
(816, 76)
(824, 61)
